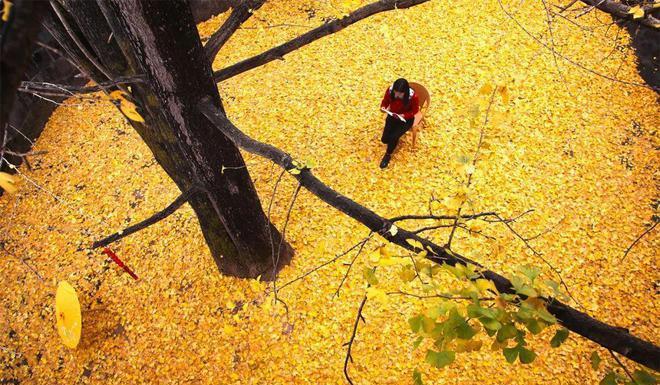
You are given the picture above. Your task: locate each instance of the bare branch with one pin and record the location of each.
(283, 232)
(638, 239)
(32, 269)
(311, 36)
(445, 296)
(81, 46)
(238, 16)
(349, 344)
(536, 39)
(431, 216)
(183, 198)
(350, 265)
(474, 163)
(619, 10)
(64, 90)
(610, 337)
(319, 267)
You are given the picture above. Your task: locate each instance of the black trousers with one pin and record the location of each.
(394, 130)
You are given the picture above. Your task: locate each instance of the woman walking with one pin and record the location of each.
(401, 104)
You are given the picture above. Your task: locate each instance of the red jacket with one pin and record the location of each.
(397, 106)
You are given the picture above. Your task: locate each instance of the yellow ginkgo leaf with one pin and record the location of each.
(452, 203)
(415, 243)
(126, 106)
(130, 111)
(637, 12)
(6, 10)
(67, 313)
(117, 95)
(8, 182)
(504, 93)
(374, 256)
(376, 294)
(486, 89)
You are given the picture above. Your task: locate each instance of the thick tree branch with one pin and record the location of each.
(622, 11)
(438, 217)
(67, 90)
(610, 337)
(183, 198)
(239, 15)
(313, 35)
(17, 36)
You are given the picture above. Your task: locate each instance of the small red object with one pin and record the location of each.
(118, 261)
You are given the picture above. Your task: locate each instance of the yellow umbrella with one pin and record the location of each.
(67, 311)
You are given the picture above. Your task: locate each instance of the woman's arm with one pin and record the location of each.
(386, 100)
(413, 107)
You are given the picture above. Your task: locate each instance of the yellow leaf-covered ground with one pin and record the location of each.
(578, 149)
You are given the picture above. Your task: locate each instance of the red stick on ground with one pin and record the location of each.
(118, 261)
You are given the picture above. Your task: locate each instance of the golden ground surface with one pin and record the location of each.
(578, 149)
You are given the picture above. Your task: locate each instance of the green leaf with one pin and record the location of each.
(440, 359)
(506, 332)
(535, 326)
(527, 290)
(642, 377)
(560, 336)
(553, 285)
(370, 275)
(530, 272)
(526, 356)
(526, 312)
(428, 324)
(510, 354)
(546, 316)
(609, 379)
(417, 378)
(595, 360)
(294, 171)
(464, 331)
(417, 342)
(415, 323)
(490, 324)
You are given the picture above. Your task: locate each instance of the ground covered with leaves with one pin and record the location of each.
(578, 149)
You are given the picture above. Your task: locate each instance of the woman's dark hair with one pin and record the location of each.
(401, 85)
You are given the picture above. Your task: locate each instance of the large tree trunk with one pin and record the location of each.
(17, 36)
(158, 40)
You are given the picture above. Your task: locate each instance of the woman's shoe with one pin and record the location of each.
(385, 161)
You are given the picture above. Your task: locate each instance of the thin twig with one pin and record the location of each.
(638, 239)
(445, 296)
(283, 236)
(167, 211)
(474, 163)
(349, 344)
(440, 217)
(568, 59)
(366, 239)
(2, 246)
(343, 279)
(625, 369)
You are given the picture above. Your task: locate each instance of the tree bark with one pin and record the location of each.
(18, 35)
(158, 41)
